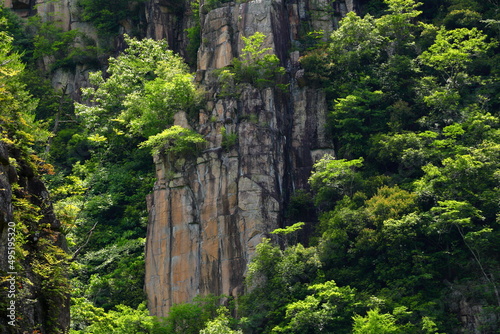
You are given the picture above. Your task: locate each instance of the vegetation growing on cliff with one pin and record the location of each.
(256, 65)
(134, 100)
(408, 210)
(106, 16)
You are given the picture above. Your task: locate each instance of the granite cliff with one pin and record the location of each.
(208, 214)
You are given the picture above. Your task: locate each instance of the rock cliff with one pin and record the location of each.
(208, 214)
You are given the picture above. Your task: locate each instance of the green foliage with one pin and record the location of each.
(182, 318)
(40, 261)
(87, 318)
(185, 318)
(390, 203)
(179, 141)
(256, 66)
(301, 207)
(356, 43)
(228, 85)
(407, 98)
(220, 325)
(194, 35)
(375, 322)
(229, 140)
(397, 27)
(192, 317)
(136, 98)
(356, 117)
(326, 310)
(453, 51)
(275, 278)
(107, 15)
(408, 212)
(59, 47)
(115, 270)
(289, 229)
(289, 234)
(12, 24)
(17, 120)
(333, 179)
(212, 4)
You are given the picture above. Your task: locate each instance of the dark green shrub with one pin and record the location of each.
(106, 15)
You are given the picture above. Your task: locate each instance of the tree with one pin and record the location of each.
(176, 140)
(134, 100)
(451, 56)
(356, 43)
(276, 277)
(327, 310)
(220, 325)
(87, 318)
(332, 179)
(106, 16)
(390, 203)
(39, 259)
(256, 65)
(357, 116)
(452, 52)
(144, 87)
(398, 26)
(17, 117)
(375, 323)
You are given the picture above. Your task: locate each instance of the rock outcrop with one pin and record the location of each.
(65, 15)
(208, 214)
(168, 20)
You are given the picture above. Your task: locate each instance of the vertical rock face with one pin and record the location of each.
(207, 214)
(33, 280)
(169, 19)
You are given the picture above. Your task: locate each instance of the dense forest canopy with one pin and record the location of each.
(405, 217)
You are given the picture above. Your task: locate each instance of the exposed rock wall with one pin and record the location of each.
(208, 214)
(169, 19)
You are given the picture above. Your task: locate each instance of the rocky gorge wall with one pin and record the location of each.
(208, 214)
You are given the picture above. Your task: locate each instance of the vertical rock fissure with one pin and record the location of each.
(288, 179)
(170, 249)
